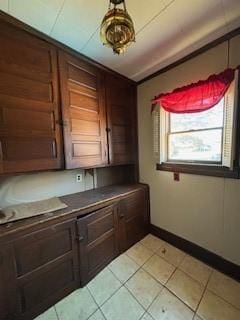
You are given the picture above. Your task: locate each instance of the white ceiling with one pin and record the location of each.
(166, 30)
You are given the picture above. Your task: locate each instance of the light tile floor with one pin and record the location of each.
(152, 281)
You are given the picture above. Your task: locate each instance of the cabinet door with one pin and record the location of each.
(98, 241)
(8, 291)
(46, 268)
(133, 219)
(30, 137)
(84, 116)
(121, 117)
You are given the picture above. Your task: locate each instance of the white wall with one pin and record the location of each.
(39, 186)
(204, 210)
(44, 185)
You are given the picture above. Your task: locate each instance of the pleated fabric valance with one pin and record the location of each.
(199, 96)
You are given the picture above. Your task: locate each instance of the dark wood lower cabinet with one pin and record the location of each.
(133, 216)
(42, 268)
(98, 238)
(43, 265)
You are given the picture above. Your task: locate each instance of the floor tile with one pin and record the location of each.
(144, 287)
(97, 315)
(169, 307)
(139, 253)
(121, 306)
(159, 268)
(77, 305)
(103, 286)
(152, 243)
(196, 269)
(186, 288)
(171, 254)
(50, 314)
(123, 267)
(147, 316)
(225, 287)
(213, 307)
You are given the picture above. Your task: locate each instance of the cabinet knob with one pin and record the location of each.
(80, 238)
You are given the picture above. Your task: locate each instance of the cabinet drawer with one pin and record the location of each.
(39, 248)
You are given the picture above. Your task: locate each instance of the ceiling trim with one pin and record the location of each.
(19, 24)
(194, 54)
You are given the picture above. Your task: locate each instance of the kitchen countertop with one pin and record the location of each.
(79, 204)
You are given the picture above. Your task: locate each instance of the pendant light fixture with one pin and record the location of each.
(117, 28)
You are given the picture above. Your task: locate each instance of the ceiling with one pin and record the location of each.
(166, 30)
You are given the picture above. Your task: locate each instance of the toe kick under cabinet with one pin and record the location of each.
(43, 262)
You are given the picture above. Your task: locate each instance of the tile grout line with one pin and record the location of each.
(56, 311)
(205, 289)
(163, 286)
(98, 307)
(155, 252)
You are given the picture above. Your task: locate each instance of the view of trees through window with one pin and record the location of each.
(196, 136)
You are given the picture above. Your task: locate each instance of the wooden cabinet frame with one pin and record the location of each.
(43, 264)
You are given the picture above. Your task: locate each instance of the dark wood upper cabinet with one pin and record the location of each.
(83, 108)
(30, 137)
(121, 120)
(47, 94)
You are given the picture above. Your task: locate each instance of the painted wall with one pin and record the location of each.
(44, 185)
(204, 210)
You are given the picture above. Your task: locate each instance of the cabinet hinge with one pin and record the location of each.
(61, 123)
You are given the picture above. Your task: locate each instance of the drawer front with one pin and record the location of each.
(42, 247)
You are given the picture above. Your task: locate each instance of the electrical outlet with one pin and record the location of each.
(176, 176)
(79, 177)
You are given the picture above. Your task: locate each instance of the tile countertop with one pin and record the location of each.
(78, 204)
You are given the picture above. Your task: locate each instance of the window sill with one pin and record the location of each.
(205, 170)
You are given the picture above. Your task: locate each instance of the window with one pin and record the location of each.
(196, 137)
(204, 140)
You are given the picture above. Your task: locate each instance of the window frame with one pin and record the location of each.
(209, 169)
(169, 160)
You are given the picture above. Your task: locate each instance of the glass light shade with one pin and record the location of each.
(117, 30)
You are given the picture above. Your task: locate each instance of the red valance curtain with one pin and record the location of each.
(199, 96)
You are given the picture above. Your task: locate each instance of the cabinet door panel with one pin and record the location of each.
(121, 114)
(98, 241)
(83, 113)
(133, 219)
(30, 137)
(46, 268)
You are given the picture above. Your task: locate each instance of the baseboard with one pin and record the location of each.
(198, 252)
